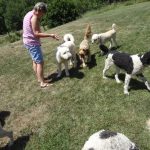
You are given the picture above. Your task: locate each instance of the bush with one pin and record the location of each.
(60, 12)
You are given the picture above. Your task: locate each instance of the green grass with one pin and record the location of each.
(64, 115)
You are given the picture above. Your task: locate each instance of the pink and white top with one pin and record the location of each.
(28, 35)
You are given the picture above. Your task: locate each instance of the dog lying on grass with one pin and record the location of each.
(102, 38)
(84, 48)
(107, 140)
(131, 64)
(66, 53)
(4, 133)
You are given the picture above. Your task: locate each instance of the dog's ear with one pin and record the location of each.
(98, 39)
(146, 58)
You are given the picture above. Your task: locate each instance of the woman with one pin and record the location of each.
(31, 39)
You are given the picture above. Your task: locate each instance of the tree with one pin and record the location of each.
(3, 28)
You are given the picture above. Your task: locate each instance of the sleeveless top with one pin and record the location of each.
(28, 35)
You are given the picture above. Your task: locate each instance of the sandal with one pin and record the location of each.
(44, 85)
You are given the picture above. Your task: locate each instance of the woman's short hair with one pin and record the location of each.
(40, 6)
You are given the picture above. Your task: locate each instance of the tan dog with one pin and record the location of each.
(84, 49)
(102, 38)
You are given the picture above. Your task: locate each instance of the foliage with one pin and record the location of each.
(59, 11)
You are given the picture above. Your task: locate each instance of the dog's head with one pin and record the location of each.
(84, 52)
(63, 53)
(146, 58)
(95, 38)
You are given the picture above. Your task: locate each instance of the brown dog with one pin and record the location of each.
(84, 48)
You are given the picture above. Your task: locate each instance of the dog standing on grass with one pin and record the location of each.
(4, 133)
(66, 53)
(102, 38)
(131, 64)
(84, 48)
(108, 140)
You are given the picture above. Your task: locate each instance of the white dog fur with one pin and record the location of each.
(131, 64)
(102, 38)
(107, 140)
(66, 52)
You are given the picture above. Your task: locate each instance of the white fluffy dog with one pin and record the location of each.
(66, 52)
(69, 42)
(131, 64)
(102, 38)
(63, 55)
(107, 140)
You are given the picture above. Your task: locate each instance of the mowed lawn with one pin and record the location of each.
(64, 115)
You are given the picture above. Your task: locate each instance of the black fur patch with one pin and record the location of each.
(123, 61)
(91, 149)
(104, 49)
(134, 148)
(146, 58)
(106, 134)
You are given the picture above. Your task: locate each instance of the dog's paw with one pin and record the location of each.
(10, 143)
(147, 85)
(84, 65)
(118, 81)
(104, 77)
(71, 64)
(126, 92)
(59, 75)
(67, 74)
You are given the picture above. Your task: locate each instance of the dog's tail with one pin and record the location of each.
(114, 26)
(87, 32)
(68, 37)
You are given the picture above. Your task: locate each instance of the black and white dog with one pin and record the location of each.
(108, 140)
(131, 64)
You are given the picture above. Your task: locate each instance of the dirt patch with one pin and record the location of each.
(32, 120)
(35, 117)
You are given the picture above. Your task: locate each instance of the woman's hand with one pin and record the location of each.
(54, 36)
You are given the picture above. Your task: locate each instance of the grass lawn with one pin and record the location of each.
(64, 115)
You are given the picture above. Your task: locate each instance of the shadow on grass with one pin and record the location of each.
(134, 83)
(3, 116)
(90, 64)
(19, 144)
(74, 73)
(93, 62)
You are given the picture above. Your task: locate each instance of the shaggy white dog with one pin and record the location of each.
(107, 140)
(66, 52)
(131, 64)
(63, 55)
(102, 38)
(69, 42)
